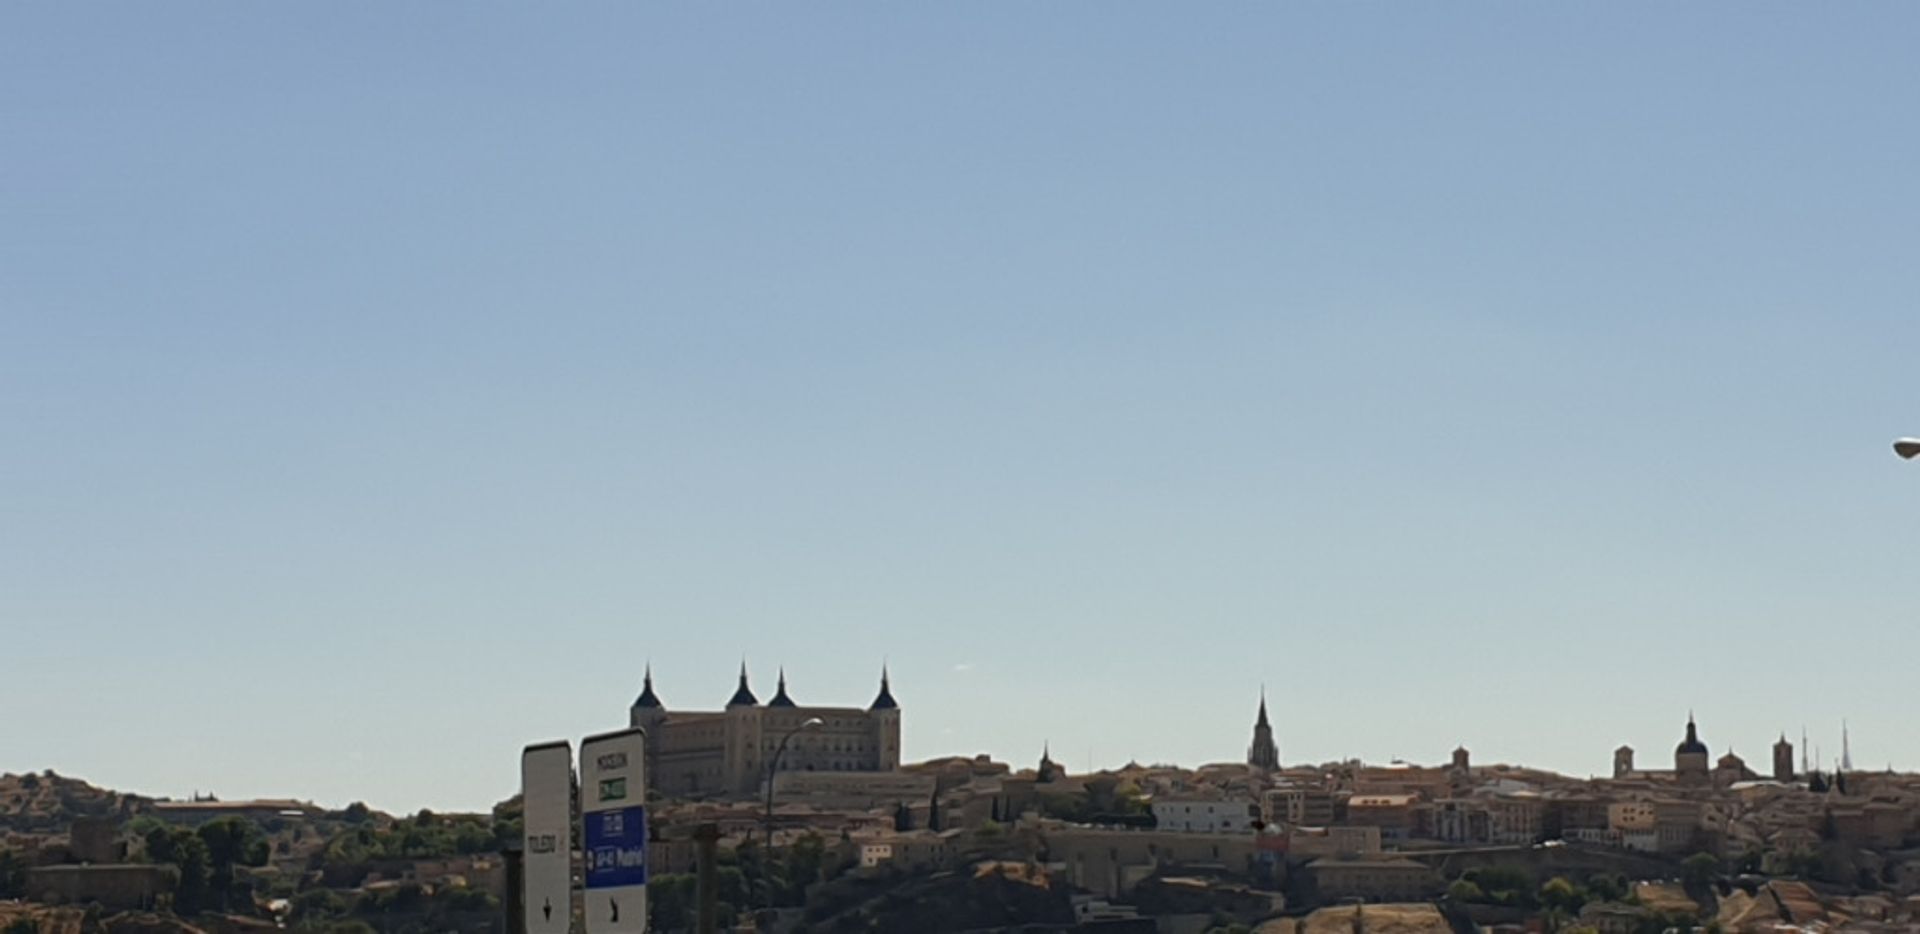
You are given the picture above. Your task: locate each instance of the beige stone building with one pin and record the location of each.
(1111, 862)
(1395, 815)
(730, 751)
(1379, 879)
(1299, 806)
(1656, 826)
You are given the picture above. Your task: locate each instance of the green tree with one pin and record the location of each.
(1608, 887)
(1561, 894)
(462, 898)
(317, 904)
(671, 900)
(732, 886)
(1561, 901)
(347, 926)
(13, 874)
(803, 864)
(188, 853)
(509, 824)
(1465, 891)
(1504, 885)
(160, 842)
(1699, 869)
(1660, 922)
(230, 842)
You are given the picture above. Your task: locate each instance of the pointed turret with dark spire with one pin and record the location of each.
(743, 695)
(647, 699)
(780, 698)
(885, 699)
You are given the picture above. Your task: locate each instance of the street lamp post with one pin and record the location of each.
(1908, 448)
(773, 766)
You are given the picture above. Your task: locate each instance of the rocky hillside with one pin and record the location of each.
(46, 802)
(77, 921)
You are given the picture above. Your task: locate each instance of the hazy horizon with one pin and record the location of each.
(384, 386)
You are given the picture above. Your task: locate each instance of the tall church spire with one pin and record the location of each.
(1264, 753)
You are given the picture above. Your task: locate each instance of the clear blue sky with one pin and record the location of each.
(383, 384)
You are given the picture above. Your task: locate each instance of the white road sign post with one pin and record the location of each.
(546, 788)
(613, 817)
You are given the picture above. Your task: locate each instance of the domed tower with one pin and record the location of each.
(1730, 770)
(1783, 760)
(1264, 754)
(1690, 758)
(884, 713)
(743, 752)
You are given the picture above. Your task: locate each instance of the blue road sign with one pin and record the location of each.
(616, 848)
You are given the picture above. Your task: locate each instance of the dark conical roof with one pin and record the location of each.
(885, 700)
(780, 698)
(1263, 708)
(743, 695)
(1692, 743)
(647, 698)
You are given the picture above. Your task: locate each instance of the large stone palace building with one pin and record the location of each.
(728, 752)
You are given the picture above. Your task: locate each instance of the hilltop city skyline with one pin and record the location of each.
(1809, 753)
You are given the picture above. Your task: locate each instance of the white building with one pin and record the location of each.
(873, 854)
(1205, 815)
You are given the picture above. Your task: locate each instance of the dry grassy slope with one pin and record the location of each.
(51, 920)
(46, 802)
(72, 921)
(1411, 918)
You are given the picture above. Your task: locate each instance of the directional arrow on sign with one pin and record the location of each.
(547, 909)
